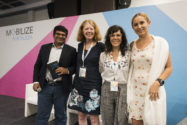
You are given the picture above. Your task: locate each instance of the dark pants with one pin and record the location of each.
(46, 98)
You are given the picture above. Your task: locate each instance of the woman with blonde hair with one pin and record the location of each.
(85, 95)
(150, 67)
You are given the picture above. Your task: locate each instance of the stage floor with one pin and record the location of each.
(12, 112)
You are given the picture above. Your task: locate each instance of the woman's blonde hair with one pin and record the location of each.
(80, 36)
(143, 15)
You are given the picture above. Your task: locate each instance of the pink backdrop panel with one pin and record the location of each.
(14, 81)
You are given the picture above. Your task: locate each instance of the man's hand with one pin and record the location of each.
(36, 86)
(62, 70)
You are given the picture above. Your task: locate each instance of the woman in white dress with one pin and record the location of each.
(150, 67)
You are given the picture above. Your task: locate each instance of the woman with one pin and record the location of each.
(85, 96)
(114, 66)
(150, 66)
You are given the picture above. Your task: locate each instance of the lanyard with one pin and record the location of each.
(84, 57)
(115, 64)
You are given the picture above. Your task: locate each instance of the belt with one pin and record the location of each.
(52, 83)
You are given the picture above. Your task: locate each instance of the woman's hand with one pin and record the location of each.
(153, 91)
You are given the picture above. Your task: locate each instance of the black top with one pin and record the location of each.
(85, 96)
(93, 77)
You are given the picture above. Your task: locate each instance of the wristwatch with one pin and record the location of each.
(160, 81)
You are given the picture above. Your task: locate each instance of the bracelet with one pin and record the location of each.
(160, 81)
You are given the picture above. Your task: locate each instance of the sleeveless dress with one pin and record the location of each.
(141, 61)
(86, 92)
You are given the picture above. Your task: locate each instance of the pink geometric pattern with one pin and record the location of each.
(14, 81)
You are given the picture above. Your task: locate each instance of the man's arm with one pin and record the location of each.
(72, 68)
(37, 67)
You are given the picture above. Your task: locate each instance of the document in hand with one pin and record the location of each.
(52, 67)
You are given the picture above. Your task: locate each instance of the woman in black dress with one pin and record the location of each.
(85, 96)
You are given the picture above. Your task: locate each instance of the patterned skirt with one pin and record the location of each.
(84, 101)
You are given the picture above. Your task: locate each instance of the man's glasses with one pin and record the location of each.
(60, 34)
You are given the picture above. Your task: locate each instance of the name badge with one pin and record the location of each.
(82, 72)
(114, 86)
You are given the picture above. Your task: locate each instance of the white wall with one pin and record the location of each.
(136, 3)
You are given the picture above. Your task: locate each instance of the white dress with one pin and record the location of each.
(141, 61)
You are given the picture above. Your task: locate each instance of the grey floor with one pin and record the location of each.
(12, 112)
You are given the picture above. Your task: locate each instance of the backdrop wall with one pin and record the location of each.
(19, 46)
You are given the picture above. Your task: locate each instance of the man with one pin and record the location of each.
(54, 91)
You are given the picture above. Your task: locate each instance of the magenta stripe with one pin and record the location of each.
(13, 82)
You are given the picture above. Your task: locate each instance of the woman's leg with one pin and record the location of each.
(121, 113)
(107, 105)
(82, 118)
(137, 122)
(94, 119)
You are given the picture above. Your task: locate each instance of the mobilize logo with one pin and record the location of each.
(22, 33)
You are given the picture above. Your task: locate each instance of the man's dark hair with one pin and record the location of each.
(60, 28)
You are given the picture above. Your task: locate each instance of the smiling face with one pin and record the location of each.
(140, 25)
(59, 38)
(116, 39)
(88, 31)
